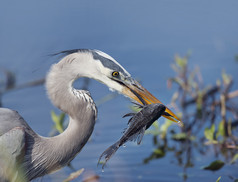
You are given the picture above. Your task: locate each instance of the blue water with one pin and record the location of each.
(143, 36)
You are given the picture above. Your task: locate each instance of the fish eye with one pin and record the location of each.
(115, 73)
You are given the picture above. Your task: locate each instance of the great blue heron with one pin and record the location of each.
(25, 155)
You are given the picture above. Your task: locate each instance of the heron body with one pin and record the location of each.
(24, 154)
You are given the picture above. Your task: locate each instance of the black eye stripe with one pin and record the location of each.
(108, 63)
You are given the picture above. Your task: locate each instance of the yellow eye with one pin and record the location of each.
(115, 73)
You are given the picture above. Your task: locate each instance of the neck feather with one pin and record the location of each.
(51, 153)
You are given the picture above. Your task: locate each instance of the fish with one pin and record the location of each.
(137, 124)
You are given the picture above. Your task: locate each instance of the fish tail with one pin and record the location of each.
(107, 154)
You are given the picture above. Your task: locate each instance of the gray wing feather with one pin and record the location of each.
(12, 145)
(13, 130)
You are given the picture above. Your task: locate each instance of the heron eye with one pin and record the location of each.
(115, 73)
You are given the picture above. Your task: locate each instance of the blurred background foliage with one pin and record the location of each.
(210, 116)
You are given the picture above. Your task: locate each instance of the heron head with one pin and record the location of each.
(117, 78)
(103, 68)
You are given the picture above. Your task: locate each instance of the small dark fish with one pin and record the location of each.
(136, 127)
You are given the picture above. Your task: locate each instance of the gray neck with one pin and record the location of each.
(50, 154)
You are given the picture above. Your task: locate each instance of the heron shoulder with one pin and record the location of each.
(10, 119)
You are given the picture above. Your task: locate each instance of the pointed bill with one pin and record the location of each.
(137, 92)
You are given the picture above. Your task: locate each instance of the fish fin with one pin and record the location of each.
(129, 114)
(129, 121)
(107, 154)
(133, 137)
(124, 130)
(140, 135)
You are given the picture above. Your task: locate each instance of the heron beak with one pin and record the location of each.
(137, 92)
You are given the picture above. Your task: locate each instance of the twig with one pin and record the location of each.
(209, 92)
(25, 85)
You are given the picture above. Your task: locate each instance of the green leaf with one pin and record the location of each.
(221, 130)
(199, 100)
(156, 125)
(209, 134)
(234, 159)
(181, 62)
(179, 136)
(159, 152)
(54, 117)
(58, 120)
(156, 154)
(226, 78)
(182, 136)
(164, 128)
(218, 179)
(152, 132)
(218, 82)
(214, 166)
